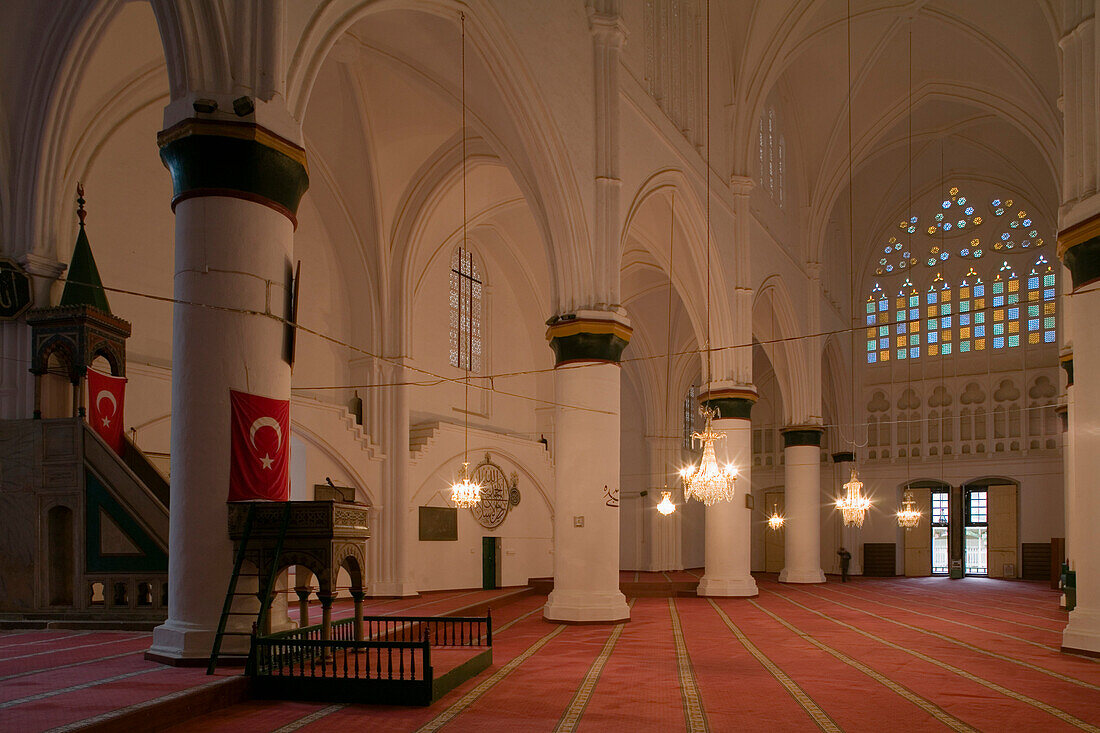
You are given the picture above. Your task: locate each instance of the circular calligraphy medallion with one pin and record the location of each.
(493, 507)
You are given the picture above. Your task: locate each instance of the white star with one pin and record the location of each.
(106, 422)
(267, 460)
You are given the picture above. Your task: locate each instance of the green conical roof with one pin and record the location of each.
(83, 286)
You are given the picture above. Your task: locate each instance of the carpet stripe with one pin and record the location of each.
(986, 606)
(472, 696)
(73, 688)
(69, 649)
(1045, 647)
(42, 641)
(824, 722)
(929, 602)
(572, 715)
(79, 724)
(1019, 696)
(97, 660)
(694, 716)
(965, 645)
(923, 703)
(312, 717)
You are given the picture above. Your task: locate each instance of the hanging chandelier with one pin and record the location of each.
(853, 504)
(776, 520)
(708, 482)
(464, 492)
(665, 506)
(909, 515)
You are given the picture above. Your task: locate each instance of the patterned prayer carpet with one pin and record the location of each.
(908, 654)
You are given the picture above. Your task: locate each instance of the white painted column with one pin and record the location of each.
(236, 189)
(1083, 631)
(394, 533)
(1079, 250)
(586, 458)
(802, 497)
(851, 538)
(230, 253)
(728, 541)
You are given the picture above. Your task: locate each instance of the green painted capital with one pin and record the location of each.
(237, 159)
(802, 435)
(1079, 248)
(585, 339)
(729, 403)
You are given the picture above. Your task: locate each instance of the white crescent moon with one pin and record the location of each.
(265, 422)
(104, 393)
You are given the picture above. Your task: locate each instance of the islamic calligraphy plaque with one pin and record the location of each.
(498, 493)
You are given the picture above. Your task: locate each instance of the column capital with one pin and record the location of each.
(236, 159)
(1079, 250)
(796, 435)
(588, 335)
(729, 402)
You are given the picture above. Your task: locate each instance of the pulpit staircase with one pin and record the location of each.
(264, 590)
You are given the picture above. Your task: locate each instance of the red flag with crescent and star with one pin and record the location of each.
(105, 395)
(259, 467)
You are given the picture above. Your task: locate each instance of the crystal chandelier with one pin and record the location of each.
(776, 520)
(909, 516)
(708, 482)
(464, 492)
(665, 506)
(853, 504)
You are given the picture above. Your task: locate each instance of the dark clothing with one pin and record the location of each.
(845, 559)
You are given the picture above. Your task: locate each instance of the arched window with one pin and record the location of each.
(465, 300)
(957, 309)
(772, 156)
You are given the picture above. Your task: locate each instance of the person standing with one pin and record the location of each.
(845, 559)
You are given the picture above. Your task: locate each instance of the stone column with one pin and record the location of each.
(802, 496)
(587, 348)
(1079, 248)
(851, 537)
(729, 523)
(303, 592)
(326, 598)
(236, 188)
(357, 598)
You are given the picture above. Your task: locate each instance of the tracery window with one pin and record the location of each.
(954, 312)
(772, 154)
(465, 311)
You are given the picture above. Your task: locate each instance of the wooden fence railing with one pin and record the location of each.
(392, 664)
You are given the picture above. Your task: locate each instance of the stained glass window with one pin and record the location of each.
(955, 313)
(465, 307)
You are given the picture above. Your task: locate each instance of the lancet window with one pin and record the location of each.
(465, 311)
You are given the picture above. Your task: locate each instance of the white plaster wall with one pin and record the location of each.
(527, 531)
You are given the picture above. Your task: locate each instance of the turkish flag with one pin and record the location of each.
(105, 395)
(259, 464)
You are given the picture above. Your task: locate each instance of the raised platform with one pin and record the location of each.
(99, 680)
(642, 584)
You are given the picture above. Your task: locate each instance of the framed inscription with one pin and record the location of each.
(438, 524)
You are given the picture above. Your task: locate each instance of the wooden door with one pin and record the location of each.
(1002, 531)
(918, 540)
(774, 539)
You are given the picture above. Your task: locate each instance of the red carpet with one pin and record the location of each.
(871, 655)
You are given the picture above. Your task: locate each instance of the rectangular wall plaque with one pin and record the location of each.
(438, 524)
